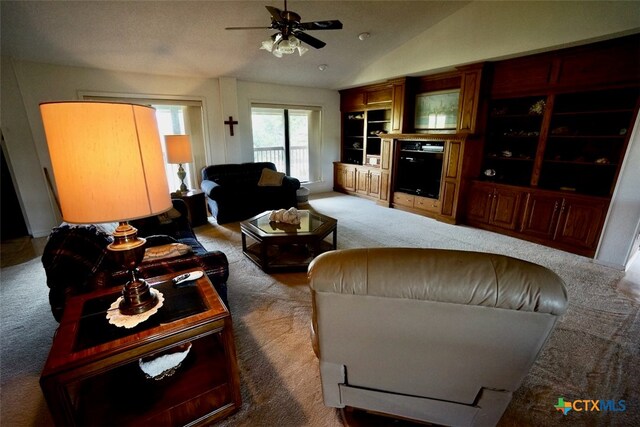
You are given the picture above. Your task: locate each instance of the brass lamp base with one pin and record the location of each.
(182, 174)
(127, 250)
(137, 297)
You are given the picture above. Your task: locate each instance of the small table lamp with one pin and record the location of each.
(108, 166)
(179, 152)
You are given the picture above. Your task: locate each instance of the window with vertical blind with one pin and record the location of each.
(289, 137)
(174, 117)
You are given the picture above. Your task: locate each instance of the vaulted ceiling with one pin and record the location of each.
(188, 38)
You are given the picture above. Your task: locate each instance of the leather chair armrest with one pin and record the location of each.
(208, 186)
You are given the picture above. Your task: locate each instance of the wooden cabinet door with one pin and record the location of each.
(469, 98)
(362, 181)
(541, 215)
(350, 178)
(505, 208)
(338, 177)
(385, 178)
(479, 203)
(344, 177)
(374, 183)
(580, 222)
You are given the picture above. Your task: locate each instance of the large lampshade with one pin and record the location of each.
(107, 160)
(108, 165)
(178, 148)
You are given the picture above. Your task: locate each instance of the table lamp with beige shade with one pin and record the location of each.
(108, 167)
(178, 153)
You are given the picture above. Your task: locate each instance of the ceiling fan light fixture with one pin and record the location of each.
(267, 45)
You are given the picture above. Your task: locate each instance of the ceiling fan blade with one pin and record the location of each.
(247, 28)
(321, 25)
(276, 14)
(310, 40)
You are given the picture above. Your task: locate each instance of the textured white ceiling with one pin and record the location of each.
(188, 38)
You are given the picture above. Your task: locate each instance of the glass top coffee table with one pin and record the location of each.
(287, 247)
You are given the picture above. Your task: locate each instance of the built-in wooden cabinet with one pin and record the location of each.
(566, 221)
(358, 179)
(538, 148)
(561, 141)
(428, 174)
(344, 177)
(497, 206)
(575, 221)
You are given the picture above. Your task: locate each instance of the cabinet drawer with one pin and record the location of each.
(426, 204)
(403, 199)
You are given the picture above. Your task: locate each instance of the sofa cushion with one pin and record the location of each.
(270, 178)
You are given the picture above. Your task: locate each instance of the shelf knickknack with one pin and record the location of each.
(437, 112)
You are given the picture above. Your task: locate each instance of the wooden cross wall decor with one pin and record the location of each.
(231, 122)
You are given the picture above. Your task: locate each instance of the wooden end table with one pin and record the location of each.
(196, 206)
(287, 247)
(93, 375)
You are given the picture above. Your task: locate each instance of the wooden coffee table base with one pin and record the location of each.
(285, 247)
(290, 257)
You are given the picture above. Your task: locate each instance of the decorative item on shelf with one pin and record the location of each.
(495, 111)
(378, 132)
(357, 145)
(489, 173)
(288, 216)
(506, 153)
(623, 131)
(537, 109)
(561, 130)
(108, 166)
(603, 161)
(179, 152)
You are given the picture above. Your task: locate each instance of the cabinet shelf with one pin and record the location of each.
(581, 163)
(587, 136)
(594, 112)
(511, 159)
(516, 116)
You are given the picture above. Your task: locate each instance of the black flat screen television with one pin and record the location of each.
(419, 173)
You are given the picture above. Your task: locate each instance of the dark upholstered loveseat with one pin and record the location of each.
(76, 259)
(233, 193)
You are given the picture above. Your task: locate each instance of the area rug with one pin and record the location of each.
(594, 353)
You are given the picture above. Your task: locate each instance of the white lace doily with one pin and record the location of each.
(115, 317)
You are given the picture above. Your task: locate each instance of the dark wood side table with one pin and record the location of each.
(93, 375)
(196, 204)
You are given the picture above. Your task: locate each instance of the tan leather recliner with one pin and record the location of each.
(434, 335)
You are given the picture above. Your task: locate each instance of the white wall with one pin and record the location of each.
(486, 30)
(618, 242)
(35, 83)
(328, 100)
(38, 209)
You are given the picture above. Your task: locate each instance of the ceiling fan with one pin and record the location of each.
(291, 32)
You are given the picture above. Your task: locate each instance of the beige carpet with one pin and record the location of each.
(594, 353)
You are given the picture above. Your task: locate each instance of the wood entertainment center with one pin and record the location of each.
(536, 152)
